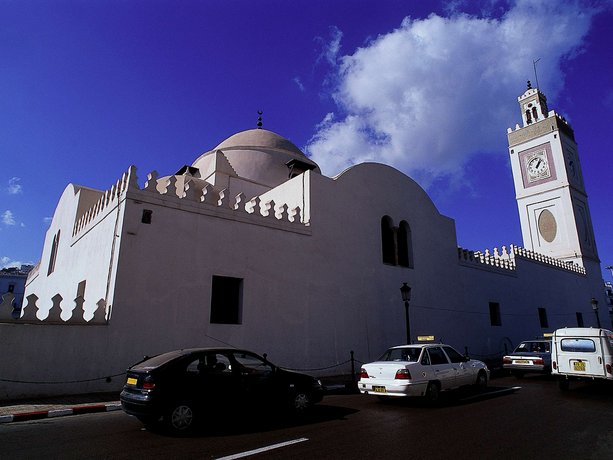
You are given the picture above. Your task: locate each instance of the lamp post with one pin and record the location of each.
(405, 291)
(595, 308)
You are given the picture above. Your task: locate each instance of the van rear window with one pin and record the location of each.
(578, 345)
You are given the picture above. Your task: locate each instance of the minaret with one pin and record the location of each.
(551, 198)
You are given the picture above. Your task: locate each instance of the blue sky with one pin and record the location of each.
(89, 87)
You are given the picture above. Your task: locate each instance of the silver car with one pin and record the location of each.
(529, 356)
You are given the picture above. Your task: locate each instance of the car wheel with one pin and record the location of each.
(180, 417)
(481, 382)
(564, 384)
(301, 402)
(433, 392)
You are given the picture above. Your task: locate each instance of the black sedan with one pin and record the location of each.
(183, 387)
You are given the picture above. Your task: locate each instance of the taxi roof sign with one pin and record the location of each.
(425, 338)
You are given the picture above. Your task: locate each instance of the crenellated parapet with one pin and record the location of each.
(495, 260)
(108, 200)
(506, 258)
(553, 122)
(186, 189)
(9, 313)
(542, 258)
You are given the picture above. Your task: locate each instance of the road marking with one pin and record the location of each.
(263, 449)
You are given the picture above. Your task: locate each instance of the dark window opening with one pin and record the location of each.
(387, 241)
(543, 317)
(396, 243)
(580, 319)
(146, 219)
(81, 288)
(405, 247)
(528, 117)
(226, 300)
(53, 256)
(495, 319)
(11, 288)
(535, 113)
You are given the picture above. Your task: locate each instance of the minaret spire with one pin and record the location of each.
(260, 119)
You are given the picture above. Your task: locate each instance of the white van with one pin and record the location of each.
(581, 353)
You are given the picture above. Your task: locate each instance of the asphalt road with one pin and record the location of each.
(536, 420)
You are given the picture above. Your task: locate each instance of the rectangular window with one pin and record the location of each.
(146, 218)
(543, 317)
(226, 300)
(579, 319)
(495, 319)
(11, 288)
(578, 345)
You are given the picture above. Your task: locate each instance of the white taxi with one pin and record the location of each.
(421, 370)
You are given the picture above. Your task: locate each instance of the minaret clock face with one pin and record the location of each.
(537, 166)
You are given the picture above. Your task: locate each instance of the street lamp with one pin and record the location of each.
(595, 308)
(405, 291)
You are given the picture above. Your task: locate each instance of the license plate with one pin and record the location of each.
(132, 381)
(579, 366)
(523, 361)
(378, 389)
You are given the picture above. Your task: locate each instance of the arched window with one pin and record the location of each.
(535, 113)
(388, 246)
(53, 256)
(405, 246)
(528, 117)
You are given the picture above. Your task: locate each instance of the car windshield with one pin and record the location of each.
(401, 354)
(532, 347)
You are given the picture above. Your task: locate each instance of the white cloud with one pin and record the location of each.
(427, 96)
(330, 48)
(7, 218)
(299, 84)
(7, 262)
(14, 187)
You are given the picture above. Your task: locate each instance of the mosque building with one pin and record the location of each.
(251, 246)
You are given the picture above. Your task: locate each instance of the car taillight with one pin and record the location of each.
(554, 365)
(363, 374)
(539, 361)
(506, 360)
(148, 383)
(402, 374)
(609, 369)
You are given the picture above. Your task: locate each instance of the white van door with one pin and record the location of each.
(581, 356)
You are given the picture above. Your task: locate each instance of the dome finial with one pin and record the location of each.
(260, 119)
(529, 85)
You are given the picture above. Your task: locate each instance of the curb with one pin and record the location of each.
(76, 410)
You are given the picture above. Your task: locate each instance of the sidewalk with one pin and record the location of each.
(32, 409)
